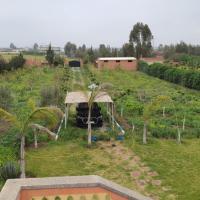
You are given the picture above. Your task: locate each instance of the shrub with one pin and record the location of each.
(5, 98)
(82, 197)
(3, 64)
(9, 171)
(70, 198)
(17, 62)
(57, 198)
(58, 60)
(95, 197)
(50, 96)
(44, 198)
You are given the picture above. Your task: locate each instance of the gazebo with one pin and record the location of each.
(83, 97)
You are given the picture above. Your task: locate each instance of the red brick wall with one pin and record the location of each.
(112, 64)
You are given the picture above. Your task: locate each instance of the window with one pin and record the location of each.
(105, 61)
(118, 61)
(130, 61)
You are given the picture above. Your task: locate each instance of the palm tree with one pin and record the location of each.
(95, 91)
(50, 115)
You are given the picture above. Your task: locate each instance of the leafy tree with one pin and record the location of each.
(70, 49)
(12, 46)
(128, 49)
(58, 60)
(182, 47)
(17, 62)
(91, 55)
(35, 46)
(50, 55)
(141, 38)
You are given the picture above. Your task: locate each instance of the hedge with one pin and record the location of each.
(185, 77)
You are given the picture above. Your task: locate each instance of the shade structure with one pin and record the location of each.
(83, 97)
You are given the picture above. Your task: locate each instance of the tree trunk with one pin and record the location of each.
(145, 133)
(35, 140)
(89, 127)
(183, 123)
(163, 111)
(179, 136)
(22, 157)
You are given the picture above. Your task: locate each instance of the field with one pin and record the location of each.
(162, 169)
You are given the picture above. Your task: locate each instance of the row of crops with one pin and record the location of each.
(133, 92)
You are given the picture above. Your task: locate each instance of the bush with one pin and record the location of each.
(5, 98)
(58, 60)
(3, 64)
(50, 96)
(70, 198)
(185, 77)
(17, 62)
(57, 198)
(9, 171)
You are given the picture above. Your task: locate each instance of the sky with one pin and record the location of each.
(94, 22)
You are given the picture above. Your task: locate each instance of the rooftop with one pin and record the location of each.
(117, 58)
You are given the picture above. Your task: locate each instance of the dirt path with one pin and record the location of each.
(142, 176)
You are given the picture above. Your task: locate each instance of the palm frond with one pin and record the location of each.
(52, 115)
(6, 116)
(44, 130)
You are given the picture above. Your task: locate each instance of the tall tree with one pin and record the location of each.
(141, 37)
(128, 49)
(70, 49)
(35, 46)
(50, 55)
(12, 46)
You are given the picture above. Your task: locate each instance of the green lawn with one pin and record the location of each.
(177, 165)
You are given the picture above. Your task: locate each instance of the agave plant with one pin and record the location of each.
(51, 115)
(9, 170)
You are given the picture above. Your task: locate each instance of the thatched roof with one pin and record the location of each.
(83, 97)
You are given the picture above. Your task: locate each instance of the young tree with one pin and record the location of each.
(70, 49)
(50, 55)
(128, 50)
(141, 38)
(53, 115)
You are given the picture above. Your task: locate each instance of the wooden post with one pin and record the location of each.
(112, 113)
(66, 114)
(35, 140)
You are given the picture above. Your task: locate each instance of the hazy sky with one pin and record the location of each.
(93, 22)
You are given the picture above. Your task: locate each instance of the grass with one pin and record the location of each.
(177, 165)
(28, 57)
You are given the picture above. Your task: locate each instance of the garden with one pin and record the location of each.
(165, 167)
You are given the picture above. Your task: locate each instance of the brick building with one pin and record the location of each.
(127, 63)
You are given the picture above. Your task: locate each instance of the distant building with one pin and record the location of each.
(128, 63)
(44, 48)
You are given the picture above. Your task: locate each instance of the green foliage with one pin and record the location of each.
(58, 60)
(50, 55)
(9, 170)
(141, 37)
(108, 197)
(44, 198)
(50, 96)
(6, 98)
(17, 62)
(70, 198)
(57, 198)
(184, 77)
(95, 197)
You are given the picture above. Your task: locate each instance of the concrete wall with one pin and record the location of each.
(113, 64)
